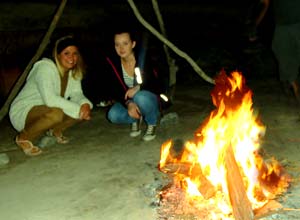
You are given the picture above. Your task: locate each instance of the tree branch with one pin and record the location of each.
(169, 44)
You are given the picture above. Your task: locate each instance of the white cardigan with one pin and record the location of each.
(43, 87)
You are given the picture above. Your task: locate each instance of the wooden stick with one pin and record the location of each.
(240, 203)
(169, 44)
(206, 188)
(270, 208)
(171, 62)
(291, 209)
(37, 55)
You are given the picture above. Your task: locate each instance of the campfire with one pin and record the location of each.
(222, 174)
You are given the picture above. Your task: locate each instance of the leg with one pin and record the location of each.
(118, 114)
(295, 87)
(57, 130)
(40, 119)
(286, 47)
(148, 105)
(67, 122)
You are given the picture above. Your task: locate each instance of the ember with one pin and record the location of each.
(221, 173)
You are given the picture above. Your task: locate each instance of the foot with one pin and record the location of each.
(28, 148)
(296, 92)
(135, 129)
(60, 139)
(150, 133)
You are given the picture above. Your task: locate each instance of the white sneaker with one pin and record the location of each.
(104, 104)
(135, 129)
(150, 133)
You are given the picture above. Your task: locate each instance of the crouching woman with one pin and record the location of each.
(52, 99)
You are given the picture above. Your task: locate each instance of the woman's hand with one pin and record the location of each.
(131, 92)
(85, 112)
(133, 110)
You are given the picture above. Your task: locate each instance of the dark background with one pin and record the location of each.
(212, 32)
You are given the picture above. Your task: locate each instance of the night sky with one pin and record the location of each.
(212, 32)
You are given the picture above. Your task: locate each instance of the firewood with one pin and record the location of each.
(240, 203)
(268, 209)
(206, 188)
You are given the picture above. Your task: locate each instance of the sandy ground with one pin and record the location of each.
(105, 174)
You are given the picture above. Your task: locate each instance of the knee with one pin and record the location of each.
(112, 115)
(145, 98)
(55, 115)
(142, 96)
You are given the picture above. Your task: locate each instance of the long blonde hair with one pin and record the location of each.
(79, 69)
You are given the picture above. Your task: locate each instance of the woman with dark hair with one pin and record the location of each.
(137, 87)
(52, 99)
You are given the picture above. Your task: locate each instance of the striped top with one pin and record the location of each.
(127, 79)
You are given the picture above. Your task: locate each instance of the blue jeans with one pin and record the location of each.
(147, 103)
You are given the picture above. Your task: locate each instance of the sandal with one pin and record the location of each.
(28, 148)
(62, 139)
(59, 139)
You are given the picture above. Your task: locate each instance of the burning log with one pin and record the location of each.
(272, 176)
(206, 188)
(174, 165)
(240, 203)
(269, 209)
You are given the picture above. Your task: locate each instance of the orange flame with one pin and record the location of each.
(233, 123)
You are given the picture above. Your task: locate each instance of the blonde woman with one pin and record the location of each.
(52, 99)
